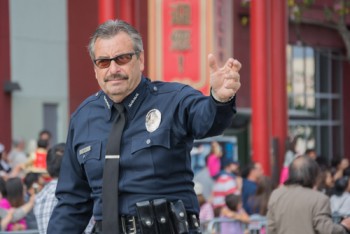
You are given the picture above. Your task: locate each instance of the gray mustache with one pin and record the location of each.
(115, 76)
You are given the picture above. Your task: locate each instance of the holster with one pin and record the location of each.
(162, 215)
(179, 217)
(146, 217)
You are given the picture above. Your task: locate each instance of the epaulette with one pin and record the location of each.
(165, 87)
(88, 100)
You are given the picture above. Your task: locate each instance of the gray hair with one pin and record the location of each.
(303, 171)
(111, 28)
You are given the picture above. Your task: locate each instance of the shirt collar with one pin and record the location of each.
(131, 102)
(107, 103)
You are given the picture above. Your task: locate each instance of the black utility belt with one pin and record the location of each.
(160, 216)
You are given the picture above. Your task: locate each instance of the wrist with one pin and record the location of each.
(218, 100)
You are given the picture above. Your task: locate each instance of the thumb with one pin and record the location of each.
(212, 63)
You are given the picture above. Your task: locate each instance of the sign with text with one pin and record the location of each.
(181, 42)
(182, 34)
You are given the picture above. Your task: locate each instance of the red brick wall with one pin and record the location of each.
(82, 21)
(5, 75)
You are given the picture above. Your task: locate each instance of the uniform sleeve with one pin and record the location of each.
(74, 208)
(322, 220)
(202, 116)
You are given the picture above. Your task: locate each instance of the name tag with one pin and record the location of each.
(85, 150)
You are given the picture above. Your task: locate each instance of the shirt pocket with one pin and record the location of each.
(160, 138)
(89, 157)
(148, 150)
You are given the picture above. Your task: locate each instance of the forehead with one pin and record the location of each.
(117, 44)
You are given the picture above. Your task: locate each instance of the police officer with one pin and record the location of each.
(162, 121)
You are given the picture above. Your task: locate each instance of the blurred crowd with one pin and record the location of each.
(225, 189)
(23, 175)
(28, 180)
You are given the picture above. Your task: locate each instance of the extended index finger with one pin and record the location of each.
(212, 63)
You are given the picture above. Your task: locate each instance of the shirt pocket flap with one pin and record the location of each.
(157, 138)
(89, 151)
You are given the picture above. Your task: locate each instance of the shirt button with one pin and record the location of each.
(148, 141)
(155, 88)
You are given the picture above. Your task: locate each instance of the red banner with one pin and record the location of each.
(181, 41)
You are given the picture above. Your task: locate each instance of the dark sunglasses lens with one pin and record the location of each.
(123, 59)
(103, 63)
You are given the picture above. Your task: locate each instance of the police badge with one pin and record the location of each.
(153, 119)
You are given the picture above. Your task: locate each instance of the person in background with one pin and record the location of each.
(339, 165)
(226, 183)
(33, 184)
(297, 207)
(45, 200)
(6, 171)
(258, 202)
(37, 161)
(340, 200)
(12, 215)
(325, 182)
(14, 198)
(291, 153)
(311, 153)
(17, 155)
(206, 212)
(214, 159)
(203, 177)
(45, 135)
(233, 209)
(5, 167)
(251, 175)
(161, 122)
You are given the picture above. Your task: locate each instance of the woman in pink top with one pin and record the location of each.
(214, 159)
(14, 198)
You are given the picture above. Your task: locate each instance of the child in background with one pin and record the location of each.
(234, 210)
(206, 212)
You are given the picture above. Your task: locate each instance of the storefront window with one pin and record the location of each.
(314, 99)
(301, 79)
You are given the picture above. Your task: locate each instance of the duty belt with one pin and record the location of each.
(157, 216)
(130, 224)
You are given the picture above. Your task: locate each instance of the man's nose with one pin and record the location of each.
(114, 67)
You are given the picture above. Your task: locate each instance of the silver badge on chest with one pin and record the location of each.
(153, 119)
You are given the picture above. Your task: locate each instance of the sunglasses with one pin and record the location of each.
(120, 60)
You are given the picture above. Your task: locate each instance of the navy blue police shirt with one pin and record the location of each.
(155, 161)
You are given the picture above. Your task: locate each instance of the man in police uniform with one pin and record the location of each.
(162, 120)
